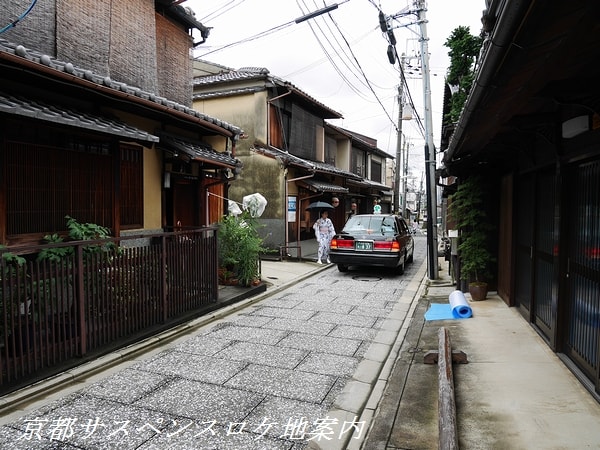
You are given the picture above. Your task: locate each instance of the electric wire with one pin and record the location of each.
(249, 39)
(347, 57)
(363, 74)
(222, 10)
(342, 52)
(20, 18)
(353, 65)
(331, 60)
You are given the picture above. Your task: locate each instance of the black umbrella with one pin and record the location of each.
(319, 205)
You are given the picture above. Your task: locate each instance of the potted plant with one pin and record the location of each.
(467, 210)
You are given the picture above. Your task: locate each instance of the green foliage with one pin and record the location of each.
(86, 231)
(467, 209)
(240, 247)
(10, 300)
(463, 53)
(78, 232)
(54, 254)
(11, 260)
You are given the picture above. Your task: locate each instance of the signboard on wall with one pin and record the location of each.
(291, 208)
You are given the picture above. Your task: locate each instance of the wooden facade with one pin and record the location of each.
(531, 127)
(90, 135)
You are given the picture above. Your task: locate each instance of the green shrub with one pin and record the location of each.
(240, 247)
(467, 208)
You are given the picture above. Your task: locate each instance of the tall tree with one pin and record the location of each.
(464, 50)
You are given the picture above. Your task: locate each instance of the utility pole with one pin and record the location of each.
(430, 161)
(398, 205)
(405, 173)
(401, 148)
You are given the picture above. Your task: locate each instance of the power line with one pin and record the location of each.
(222, 10)
(18, 19)
(250, 38)
(330, 58)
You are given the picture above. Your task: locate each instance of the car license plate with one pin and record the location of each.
(363, 245)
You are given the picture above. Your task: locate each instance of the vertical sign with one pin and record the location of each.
(291, 209)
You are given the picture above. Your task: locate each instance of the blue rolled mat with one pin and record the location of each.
(458, 308)
(459, 305)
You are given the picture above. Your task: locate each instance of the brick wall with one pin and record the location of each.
(173, 46)
(36, 31)
(126, 40)
(83, 33)
(133, 58)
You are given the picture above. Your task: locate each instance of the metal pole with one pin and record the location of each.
(405, 175)
(430, 161)
(398, 173)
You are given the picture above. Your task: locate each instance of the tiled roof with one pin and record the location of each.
(250, 73)
(285, 157)
(231, 75)
(225, 93)
(364, 141)
(323, 167)
(105, 81)
(21, 106)
(323, 186)
(315, 166)
(198, 151)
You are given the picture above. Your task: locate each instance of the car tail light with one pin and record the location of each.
(593, 252)
(342, 243)
(392, 246)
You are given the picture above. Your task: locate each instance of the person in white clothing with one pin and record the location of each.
(324, 232)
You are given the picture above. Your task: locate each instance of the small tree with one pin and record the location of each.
(240, 247)
(466, 208)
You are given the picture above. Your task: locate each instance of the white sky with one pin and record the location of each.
(351, 37)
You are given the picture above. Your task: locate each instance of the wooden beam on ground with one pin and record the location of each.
(448, 434)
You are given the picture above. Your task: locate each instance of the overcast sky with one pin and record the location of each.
(332, 56)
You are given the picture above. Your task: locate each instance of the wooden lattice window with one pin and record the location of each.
(44, 183)
(132, 185)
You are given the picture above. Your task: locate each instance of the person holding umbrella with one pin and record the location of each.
(324, 232)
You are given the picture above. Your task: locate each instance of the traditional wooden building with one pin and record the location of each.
(531, 127)
(291, 154)
(96, 124)
(95, 100)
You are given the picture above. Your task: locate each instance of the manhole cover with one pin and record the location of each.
(365, 278)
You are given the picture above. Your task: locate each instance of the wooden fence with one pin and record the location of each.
(56, 313)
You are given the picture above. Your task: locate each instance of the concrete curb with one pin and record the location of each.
(366, 394)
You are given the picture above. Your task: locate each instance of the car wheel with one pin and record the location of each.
(411, 257)
(342, 267)
(400, 267)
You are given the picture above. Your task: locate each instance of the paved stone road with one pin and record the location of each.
(292, 370)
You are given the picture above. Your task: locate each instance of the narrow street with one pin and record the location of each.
(295, 367)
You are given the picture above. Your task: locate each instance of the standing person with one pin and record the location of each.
(415, 226)
(353, 210)
(324, 232)
(376, 207)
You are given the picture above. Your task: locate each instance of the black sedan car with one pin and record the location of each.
(373, 240)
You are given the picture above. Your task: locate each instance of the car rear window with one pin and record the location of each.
(384, 225)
